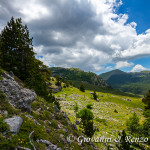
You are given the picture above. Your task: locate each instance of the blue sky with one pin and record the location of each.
(138, 11)
(93, 35)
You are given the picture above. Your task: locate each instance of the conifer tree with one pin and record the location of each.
(95, 95)
(17, 55)
(146, 100)
(16, 49)
(87, 121)
(82, 88)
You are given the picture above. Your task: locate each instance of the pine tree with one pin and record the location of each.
(95, 95)
(124, 145)
(146, 100)
(16, 49)
(82, 88)
(76, 108)
(16, 54)
(87, 121)
(133, 123)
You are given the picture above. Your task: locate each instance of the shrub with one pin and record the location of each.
(3, 126)
(54, 123)
(133, 123)
(82, 88)
(115, 111)
(89, 106)
(94, 96)
(87, 121)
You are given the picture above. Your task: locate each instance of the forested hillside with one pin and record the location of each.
(132, 82)
(88, 79)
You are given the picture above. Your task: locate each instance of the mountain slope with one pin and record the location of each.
(133, 82)
(44, 127)
(77, 76)
(107, 75)
(107, 122)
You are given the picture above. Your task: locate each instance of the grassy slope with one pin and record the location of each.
(109, 122)
(42, 112)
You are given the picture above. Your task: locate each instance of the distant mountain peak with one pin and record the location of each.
(108, 74)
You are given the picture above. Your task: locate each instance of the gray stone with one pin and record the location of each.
(52, 147)
(56, 109)
(11, 74)
(5, 113)
(14, 123)
(17, 95)
(128, 99)
(45, 142)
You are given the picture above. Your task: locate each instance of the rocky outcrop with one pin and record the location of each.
(55, 89)
(14, 124)
(16, 94)
(49, 144)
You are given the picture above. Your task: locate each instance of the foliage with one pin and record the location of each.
(77, 75)
(87, 121)
(146, 113)
(146, 127)
(89, 106)
(76, 108)
(94, 96)
(146, 100)
(133, 123)
(3, 126)
(17, 55)
(82, 88)
(137, 83)
(16, 49)
(52, 99)
(115, 111)
(124, 145)
(58, 80)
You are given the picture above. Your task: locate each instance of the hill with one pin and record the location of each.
(90, 80)
(28, 121)
(132, 82)
(107, 75)
(107, 121)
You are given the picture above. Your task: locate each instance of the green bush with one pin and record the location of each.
(86, 121)
(82, 88)
(3, 126)
(54, 123)
(89, 106)
(133, 123)
(115, 111)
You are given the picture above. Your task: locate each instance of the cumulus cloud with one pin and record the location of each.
(122, 64)
(88, 34)
(138, 68)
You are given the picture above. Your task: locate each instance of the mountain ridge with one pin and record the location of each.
(133, 82)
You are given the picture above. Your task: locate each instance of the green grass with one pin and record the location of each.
(108, 121)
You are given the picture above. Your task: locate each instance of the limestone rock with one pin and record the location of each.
(16, 94)
(14, 123)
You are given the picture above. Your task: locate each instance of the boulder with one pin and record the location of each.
(14, 123)
(16, 94)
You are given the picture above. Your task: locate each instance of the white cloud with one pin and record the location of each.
(123, 64)
(87, 34)
(138, 68)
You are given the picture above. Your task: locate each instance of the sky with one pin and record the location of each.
(93, 35)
